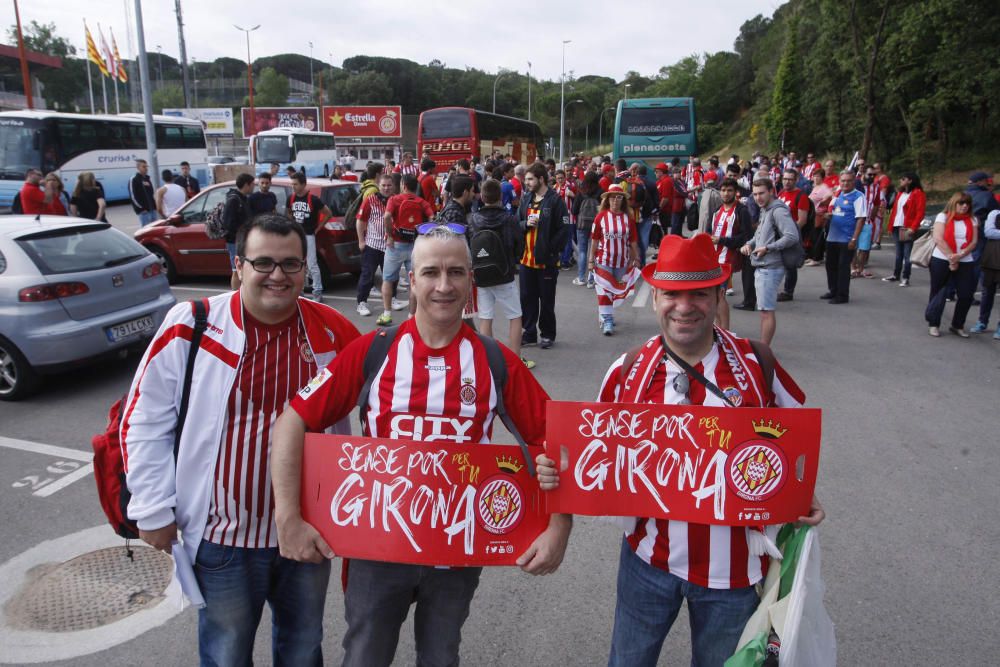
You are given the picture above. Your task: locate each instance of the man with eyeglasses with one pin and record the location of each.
(663, 562)
(261, 345)
(434, 365)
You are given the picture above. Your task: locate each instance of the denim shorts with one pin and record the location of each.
(231, 249)
(396, 256)
(767, 280)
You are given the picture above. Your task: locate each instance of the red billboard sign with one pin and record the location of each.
(368, 121)
(268, 118)
(427, 503)
(722, 466)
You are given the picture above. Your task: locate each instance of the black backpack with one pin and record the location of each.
(498, 369)
(493, 254)
(589, 207)
(810, 216)
(15, 206)
(351, 216)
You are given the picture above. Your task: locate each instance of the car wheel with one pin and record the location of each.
(17, 378)
(169, 270)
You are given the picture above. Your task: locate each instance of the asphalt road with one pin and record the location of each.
(907, 475)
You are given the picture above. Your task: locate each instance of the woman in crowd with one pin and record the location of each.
(613, 256)
(904, 220)
(88, 198)
(590, 194)
(59, 204)
(820, 195)
(955, 235)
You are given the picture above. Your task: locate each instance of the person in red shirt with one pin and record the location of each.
(811, 165)
(798, 201)
(607, 177)
(435, 365)
(34, 199)
(59, 204)
(403, 214)
(832, 180)
(428, 182)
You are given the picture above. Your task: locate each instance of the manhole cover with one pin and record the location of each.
(91, 590)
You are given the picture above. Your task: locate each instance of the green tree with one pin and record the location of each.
(270, 89)
(61, 87)
(783, 116)
(168, 97)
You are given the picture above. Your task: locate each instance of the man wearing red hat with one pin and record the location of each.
(663, 562)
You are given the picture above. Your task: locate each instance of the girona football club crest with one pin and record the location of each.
(387, 124)
(468, 392)
(499, 504)
(734, 395)
(757, 470)
(306, 351)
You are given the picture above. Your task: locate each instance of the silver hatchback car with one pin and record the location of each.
(71, 290)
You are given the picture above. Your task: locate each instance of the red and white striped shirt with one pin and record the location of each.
(276, 363)
(411, 169)
(373, 210)
(567, 191)
(614, 234)
(723, 225)
(706, 555)
(875, 200)
(424, 394)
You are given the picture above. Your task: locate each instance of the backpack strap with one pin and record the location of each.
(200, 309)
(377, 351)
(767, 361)
(498, 367)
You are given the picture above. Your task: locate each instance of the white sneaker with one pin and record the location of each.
(363, 309)
(578, 282)
(730, 292)
(403, 283)
(376, 292)
(400, 305)
(904, 282)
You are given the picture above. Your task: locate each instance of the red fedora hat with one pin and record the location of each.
(686, 264)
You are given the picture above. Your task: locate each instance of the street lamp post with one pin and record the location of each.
(562, 101)
(159, 64)
(495, 81)
(627, 86)
(312, 83)
(600, 127)
(529, 90)
(253, 116)
(568, 104)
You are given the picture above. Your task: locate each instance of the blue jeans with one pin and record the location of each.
(582, 246)
(643, 230)
(236, 583)
(648, 601)
(147, 217)
(903, 249)
(567, 254)
(378, 599)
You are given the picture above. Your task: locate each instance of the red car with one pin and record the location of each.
(184, 249)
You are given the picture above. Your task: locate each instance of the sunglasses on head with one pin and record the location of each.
(453, 227)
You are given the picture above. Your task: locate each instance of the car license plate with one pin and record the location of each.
(117, 332)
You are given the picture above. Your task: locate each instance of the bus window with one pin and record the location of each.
(20, 149)
(653, 121)
(446, 123)
(169, 136)
(192, 137)
(273, 149)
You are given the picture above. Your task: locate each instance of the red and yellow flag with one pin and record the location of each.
(93, 55)
(122, 74)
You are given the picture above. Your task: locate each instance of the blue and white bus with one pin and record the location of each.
(316, 152)
(107, 145)
(655, 129)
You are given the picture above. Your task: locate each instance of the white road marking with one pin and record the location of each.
(48, 450)
(64, 481)
(32, 646)
(641, 296)
(214, 290)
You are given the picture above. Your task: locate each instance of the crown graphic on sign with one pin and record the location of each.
(509, 463)
(770, 429)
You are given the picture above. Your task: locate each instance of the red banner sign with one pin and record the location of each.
(380, 122)
(428, 503)
(724, 466)
(268, 118)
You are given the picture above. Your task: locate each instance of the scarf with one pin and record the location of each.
(949, 231)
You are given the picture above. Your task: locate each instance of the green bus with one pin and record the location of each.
(655, 129)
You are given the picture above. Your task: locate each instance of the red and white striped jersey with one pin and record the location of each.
(275, 364)
(567, 191)
(614, 234)
(706, 555)
(424, 394)
(875, 201)
(411, 169)
(373, 211)
(723, 225)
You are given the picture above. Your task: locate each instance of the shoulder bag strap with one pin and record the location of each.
(200, 324)
(690, 370)
(373, 361)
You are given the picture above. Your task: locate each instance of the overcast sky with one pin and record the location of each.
(607, 38)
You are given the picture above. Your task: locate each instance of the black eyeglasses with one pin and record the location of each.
(266, 264)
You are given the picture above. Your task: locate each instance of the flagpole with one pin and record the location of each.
(114, 82)
(90, 87)
(104, 89)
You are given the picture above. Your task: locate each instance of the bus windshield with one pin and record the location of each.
(655, 121)
(446, 123)
(273, 149)
(20, 147)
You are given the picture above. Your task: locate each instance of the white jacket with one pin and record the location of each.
(162, 492)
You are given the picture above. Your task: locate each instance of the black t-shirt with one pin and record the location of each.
(86, 203)
(305, 211)
(262, 202)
